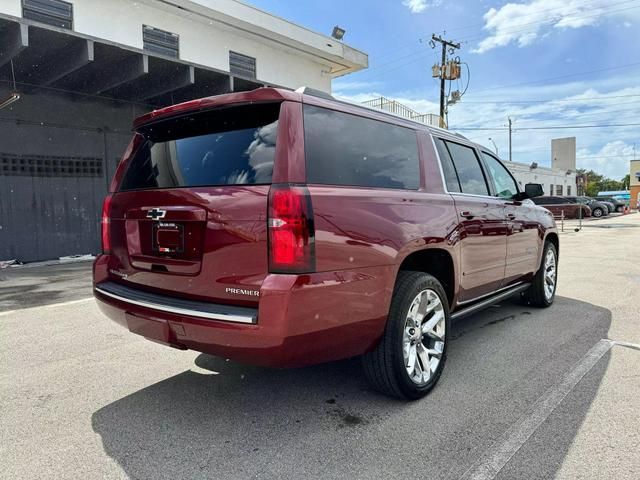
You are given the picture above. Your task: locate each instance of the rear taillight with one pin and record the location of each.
(291, 230)
(105, 224)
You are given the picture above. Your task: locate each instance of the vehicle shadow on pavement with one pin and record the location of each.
(227, 420)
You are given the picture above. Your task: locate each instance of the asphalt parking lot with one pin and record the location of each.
(526, 393)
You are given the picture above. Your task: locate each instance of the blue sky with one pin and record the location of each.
(542, 62)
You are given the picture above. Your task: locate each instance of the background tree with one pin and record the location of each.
(599, 183)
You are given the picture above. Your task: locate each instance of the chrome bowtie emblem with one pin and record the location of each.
(156, 213)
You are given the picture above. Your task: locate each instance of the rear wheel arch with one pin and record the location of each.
(437, 262)
(553, 238)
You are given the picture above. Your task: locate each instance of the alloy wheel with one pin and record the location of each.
(549, 275)
(424, 336)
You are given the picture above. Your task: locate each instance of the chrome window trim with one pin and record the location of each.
(444, 182)
(483, 151)
(178, 310)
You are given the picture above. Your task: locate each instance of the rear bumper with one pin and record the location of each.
(300, 320)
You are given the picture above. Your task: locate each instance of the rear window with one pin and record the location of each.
(344, 149)
(229, 146)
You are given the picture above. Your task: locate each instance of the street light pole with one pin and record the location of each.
(494, 145)
(510, 123)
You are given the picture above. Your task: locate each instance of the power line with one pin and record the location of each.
(617, 67)
(582, 99)
(534, 25)
(394, 50)
(556, 127)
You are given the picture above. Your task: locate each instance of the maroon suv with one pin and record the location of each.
(285, 229)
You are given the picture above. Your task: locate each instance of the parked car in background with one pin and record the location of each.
(617, 204)
(561, 205)
(598, 209)
(286, 229)
(610, 206)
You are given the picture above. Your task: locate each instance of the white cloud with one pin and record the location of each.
(523, 23)
(605, 150)
(418, 6)
(611, 160)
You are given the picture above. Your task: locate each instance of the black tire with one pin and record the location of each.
(384, 367)
(535, 295)
(597, 212)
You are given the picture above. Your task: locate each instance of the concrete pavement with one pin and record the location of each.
(82, 398)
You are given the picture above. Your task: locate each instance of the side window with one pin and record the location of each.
(345, 149)
(506, 186)
(468, 169)
(448, 170)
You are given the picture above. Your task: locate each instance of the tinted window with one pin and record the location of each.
(448, 170)
(232, 146)
(343, 149)
(506, 186)
(468, 169)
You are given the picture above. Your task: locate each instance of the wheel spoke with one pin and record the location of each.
(430, 324)
(411, 361)
(434, 335)
(423, 306)
(423, 355)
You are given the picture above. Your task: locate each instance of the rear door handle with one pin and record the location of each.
(511, 216)
(467, 214)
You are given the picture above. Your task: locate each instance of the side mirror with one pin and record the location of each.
(533, 190)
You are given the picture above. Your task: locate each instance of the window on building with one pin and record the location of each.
(160, 41)
(505, 184)
(558, 189)
(467, 166)
(242, 65)
(551, 189)
(568, 189)
(52, 12)
(344, 149)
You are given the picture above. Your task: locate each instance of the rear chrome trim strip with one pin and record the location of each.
(222, 316)
(489, 301)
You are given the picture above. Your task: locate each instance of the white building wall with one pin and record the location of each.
(286, 54)
(546, 176)
(563, 153)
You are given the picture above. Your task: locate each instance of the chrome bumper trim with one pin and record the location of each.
(162, 307)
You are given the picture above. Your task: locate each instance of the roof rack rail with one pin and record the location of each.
(314, 93)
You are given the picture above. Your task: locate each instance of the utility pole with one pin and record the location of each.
(443, 66)
(510, 123)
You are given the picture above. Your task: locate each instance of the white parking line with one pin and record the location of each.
(497, 456)
(51, 305)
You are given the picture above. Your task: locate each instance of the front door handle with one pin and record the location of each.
(511, 216)
(467, 214)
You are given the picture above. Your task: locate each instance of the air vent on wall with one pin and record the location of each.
(160, 41)
(242, 65)
(52, 12)
(49, 166)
